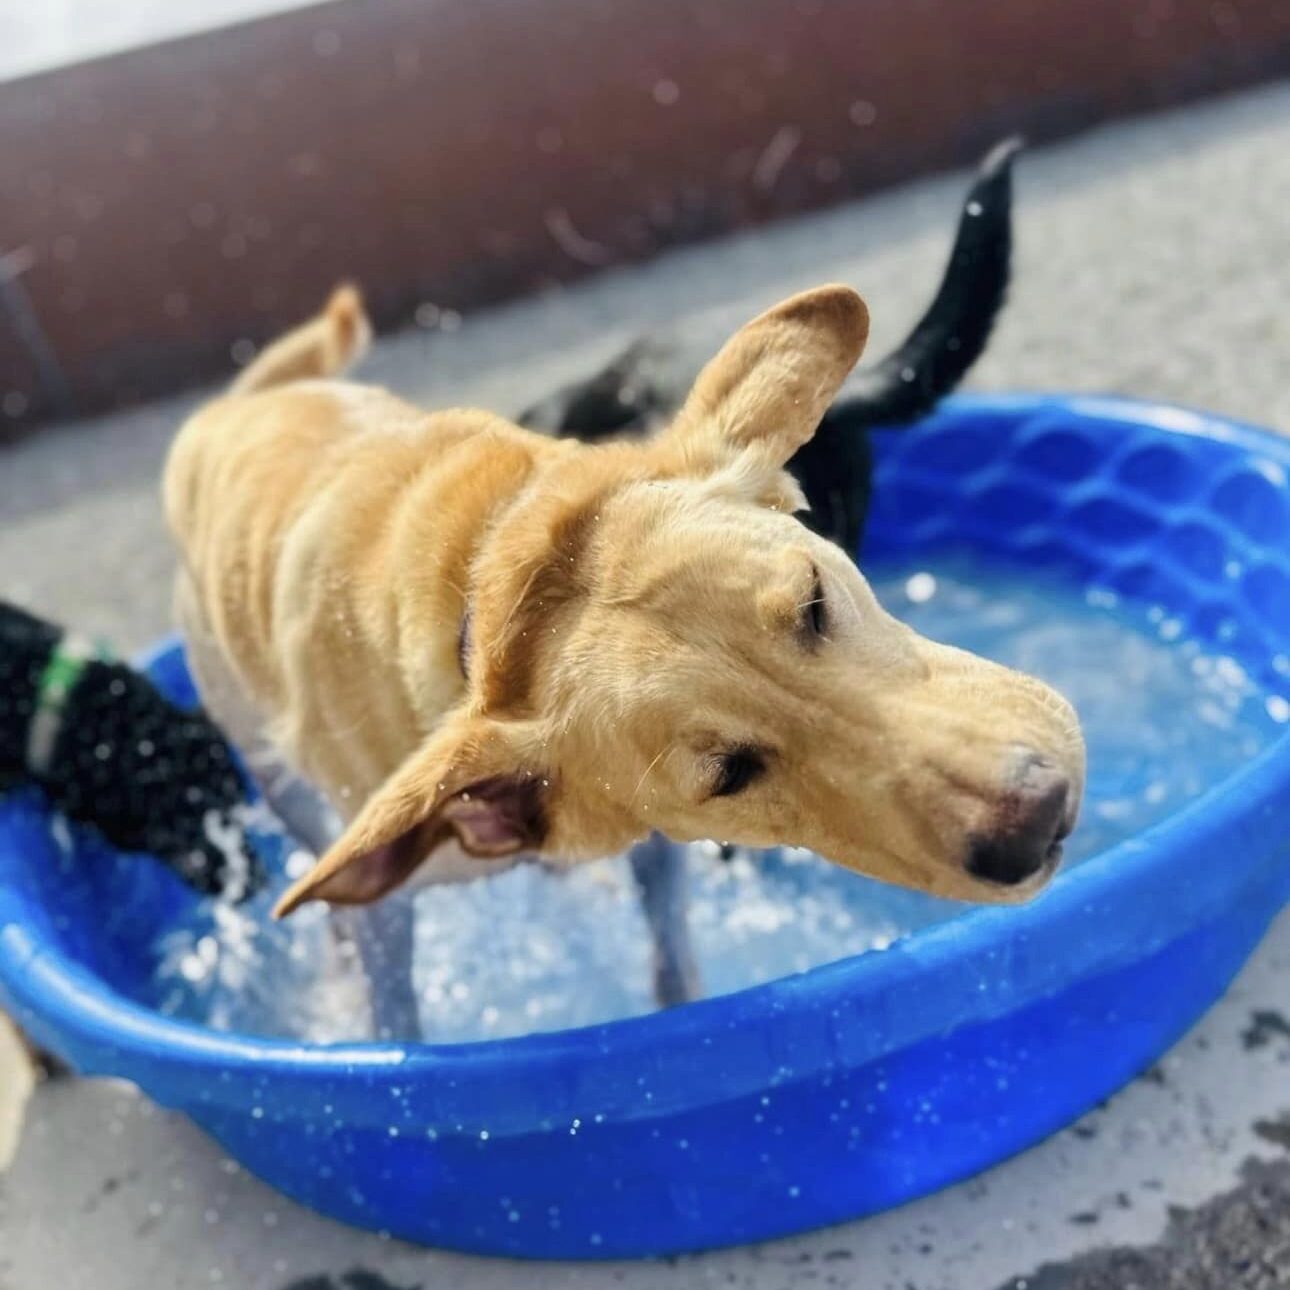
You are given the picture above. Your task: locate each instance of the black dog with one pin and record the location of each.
(110, 751)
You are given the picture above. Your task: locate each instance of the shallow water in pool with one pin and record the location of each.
(1164, 718)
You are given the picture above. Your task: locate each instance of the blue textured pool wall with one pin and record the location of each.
(1157, 503)
(814, 1098)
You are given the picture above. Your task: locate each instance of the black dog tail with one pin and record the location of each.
(950, 336)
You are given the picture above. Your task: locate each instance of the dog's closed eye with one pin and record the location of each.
(813, 625)
(737, 769)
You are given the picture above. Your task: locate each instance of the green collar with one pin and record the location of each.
(59, 677)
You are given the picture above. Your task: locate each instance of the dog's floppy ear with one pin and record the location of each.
(467, 780)
(772, 382)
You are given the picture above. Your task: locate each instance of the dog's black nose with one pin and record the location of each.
(1029, 827)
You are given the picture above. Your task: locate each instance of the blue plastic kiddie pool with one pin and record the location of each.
(814, 1098)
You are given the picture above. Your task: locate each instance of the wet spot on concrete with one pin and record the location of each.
(109, 1186)
(1085, 1218)
(1266, 1024)
(354, 1279)
(360, 1279)
(1275, 1131)
(1234, 1242)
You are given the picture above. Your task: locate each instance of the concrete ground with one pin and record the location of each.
(1153, 259)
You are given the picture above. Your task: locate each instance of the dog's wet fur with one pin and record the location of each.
(482, 643)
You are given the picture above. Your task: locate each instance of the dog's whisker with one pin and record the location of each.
(515, 608)
(645, 774)
(456, 586)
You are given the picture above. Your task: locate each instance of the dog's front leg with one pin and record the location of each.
(382, 936)
(659, 869)
(295, 803)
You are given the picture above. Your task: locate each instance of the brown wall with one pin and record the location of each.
(159, 206)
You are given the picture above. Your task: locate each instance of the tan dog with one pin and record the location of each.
(482, 643)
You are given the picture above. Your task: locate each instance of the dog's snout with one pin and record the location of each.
(1032, 819)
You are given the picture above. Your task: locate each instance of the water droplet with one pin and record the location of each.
(327, 43)
(920, 588)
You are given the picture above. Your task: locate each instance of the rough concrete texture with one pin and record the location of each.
(1240, 1240)
(1152, 260)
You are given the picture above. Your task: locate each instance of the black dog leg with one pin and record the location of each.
(382, 936)
(659, 869)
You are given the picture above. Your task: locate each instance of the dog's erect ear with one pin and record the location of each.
(767, 389)
(466, 780)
